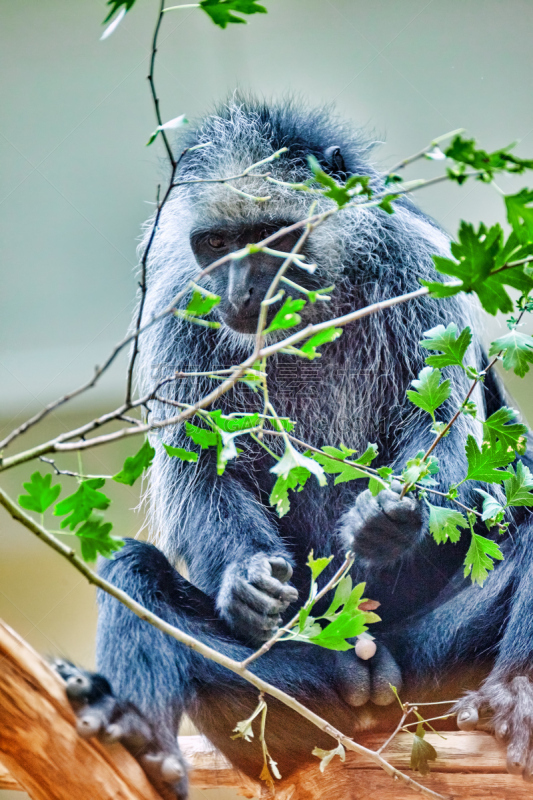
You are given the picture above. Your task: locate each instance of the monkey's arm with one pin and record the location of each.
(234, 553)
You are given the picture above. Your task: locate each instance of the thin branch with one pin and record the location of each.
(407, 710)
(348, 561)
(60, 443)
(206, 651)
(431, 146)
(69, 472)
(155, 98)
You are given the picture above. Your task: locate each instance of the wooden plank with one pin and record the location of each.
(470, 765)
(43, 754)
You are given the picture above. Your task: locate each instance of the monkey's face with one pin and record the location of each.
(242, 284)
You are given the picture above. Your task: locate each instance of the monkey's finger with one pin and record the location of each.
(397, 510)
(90, 723)
(528, 771)
(517, 757)
(468, 718)
(254, 622)
(273, 587)
(280, 568)
(78, 687)
(257, 600)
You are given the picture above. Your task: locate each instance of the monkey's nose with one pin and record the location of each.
(240, 300)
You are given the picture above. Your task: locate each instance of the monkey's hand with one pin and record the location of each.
(99, 713)
(381, 529)
(361, 681)
(504, 707)
(254, 594)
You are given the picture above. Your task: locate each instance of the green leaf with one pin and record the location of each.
(135, 465)
(95, 539)
(235, 422)
(377, 486)
(452, 345)
(479, 560)
(41, 494)
(180, 452)
(80, 504)
(310, 347)
(386, 203)
(340, 194)
(295, 480)
(444, 523)
(342, 593)
(222, 12)
(422, 752)
(345, 472)
(116, 5)
(517, 349)
(287, 316)
(292, 459)
(317, 565)
(351, 606)
(347, 625)
(431, 393)
(484, 464)
(479, 268)
(465, 153)
(172, 124)
(368, 456)
(518, 485)
(491, 508)
(498, 426)
(520, 214)
(205, 438)
(202, 303)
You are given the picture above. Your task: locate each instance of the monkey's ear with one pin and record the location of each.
(334, 157)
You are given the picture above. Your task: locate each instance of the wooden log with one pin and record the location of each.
(39, 745)
(43, 755)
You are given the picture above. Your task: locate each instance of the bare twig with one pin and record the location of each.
(155, 98)
(407, 709)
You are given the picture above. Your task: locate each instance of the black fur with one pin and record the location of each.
(441, 633)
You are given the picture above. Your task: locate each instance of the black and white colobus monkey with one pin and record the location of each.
(439, 634)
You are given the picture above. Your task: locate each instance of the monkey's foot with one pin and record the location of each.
(254, 595)
(360, 682)
(504, 707)
(99, 713)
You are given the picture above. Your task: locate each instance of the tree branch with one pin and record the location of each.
(206, 651)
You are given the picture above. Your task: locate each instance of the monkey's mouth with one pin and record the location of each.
(241, 323)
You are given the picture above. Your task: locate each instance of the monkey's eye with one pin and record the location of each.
(216, 241)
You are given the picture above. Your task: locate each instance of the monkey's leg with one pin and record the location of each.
(491, 624)
(163, 678)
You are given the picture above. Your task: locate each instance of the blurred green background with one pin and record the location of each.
(77, 182)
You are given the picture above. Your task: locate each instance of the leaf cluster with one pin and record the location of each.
(483, 264)
(78, 509)
(465, 154)
(344, 619)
